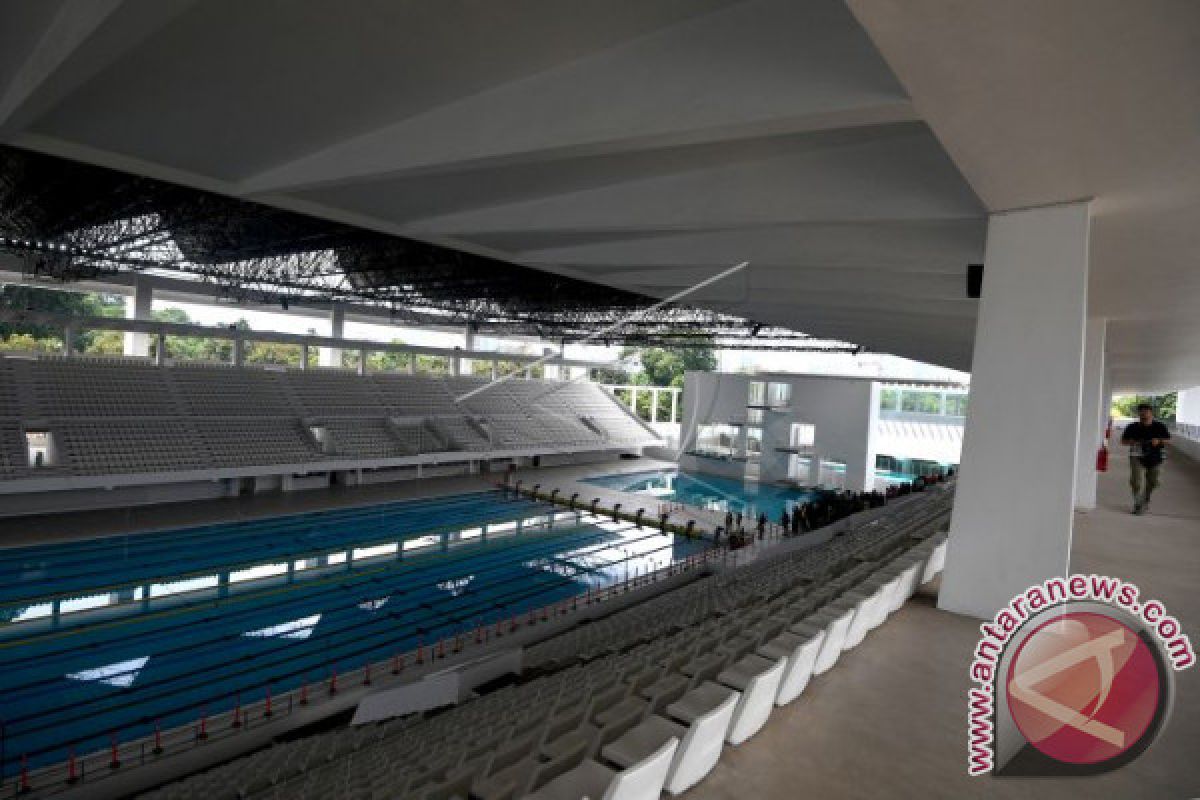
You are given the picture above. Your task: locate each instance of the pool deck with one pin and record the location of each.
(570, 480)
(82, 525)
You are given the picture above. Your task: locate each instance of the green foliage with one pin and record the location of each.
(433, 365)
(666, 366)
(106, 343)
(28, 343)
(921, 402)
(660, 367)
(42, 338)
(1164, 405)
(612, 376)
(192, 348)
(389, 362)
(956, 404)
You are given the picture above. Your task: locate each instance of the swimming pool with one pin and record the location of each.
(708, 491)
(110, 635)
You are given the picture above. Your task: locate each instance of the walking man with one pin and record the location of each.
(1146, 439)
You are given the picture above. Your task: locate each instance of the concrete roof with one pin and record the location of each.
(1046, 102)
(649, 144)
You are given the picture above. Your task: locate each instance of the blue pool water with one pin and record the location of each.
(708, 491)
(112, 634)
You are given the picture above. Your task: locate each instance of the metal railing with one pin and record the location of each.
(70, 324)
(120, 756)
(1186, 430)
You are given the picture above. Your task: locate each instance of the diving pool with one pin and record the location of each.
(708, 491)
(110, 635)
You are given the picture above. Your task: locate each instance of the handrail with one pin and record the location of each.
(270, 708)
(358, 544)
(78, 323)
(1187, 430)
(514, 597)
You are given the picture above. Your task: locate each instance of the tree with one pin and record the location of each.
(106, 343)
(192, 348)
(610, 375)
(389, 361)
(665, 366)
(47, 338)
(1163, 405)
(28, 343)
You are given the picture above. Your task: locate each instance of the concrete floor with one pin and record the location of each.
(82, 525)
(889, 720)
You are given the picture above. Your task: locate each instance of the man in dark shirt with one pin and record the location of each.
(1146, 439)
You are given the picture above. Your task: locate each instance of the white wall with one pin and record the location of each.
(927, 439)
(1093, 414)
(843, 412)
(1187, 409)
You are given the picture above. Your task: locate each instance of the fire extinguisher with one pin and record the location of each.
(1102, 459)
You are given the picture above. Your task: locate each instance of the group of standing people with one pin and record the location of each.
(826, 508)
(829, 507)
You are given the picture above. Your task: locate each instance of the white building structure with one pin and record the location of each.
(860, 154)
(813, 429)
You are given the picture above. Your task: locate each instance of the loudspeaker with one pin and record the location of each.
(974, 280)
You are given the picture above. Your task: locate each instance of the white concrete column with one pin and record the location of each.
(160, 350)
(775, 463)
(139, 307)
(68, 338)
(1187, 406)
(465, 366)
(654, 405)
(857, 447)
(675, 405)
(1092, 414)
(1013, 509)
(239, 350)
(332, 356)
(552, 371)
(1106, 394)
